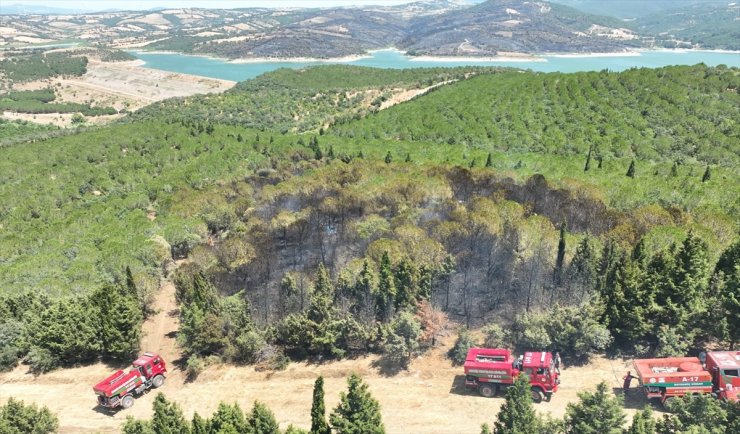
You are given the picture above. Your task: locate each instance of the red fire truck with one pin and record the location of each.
(491, 370)
(118, 390)
(673, 377)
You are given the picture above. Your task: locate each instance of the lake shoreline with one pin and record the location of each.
(506, 57)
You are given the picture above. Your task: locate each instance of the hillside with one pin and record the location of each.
(708, 26)
(630, 9)
(516, 26)
(654, 114)
(440, 27)
(300, 219)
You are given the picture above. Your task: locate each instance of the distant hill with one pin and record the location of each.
(715, 26)
(627, 9)
(516, 26)
(431, 27)
(19, 9)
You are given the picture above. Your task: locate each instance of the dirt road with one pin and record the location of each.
(428, 398)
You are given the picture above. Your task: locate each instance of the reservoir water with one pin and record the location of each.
(218, 68)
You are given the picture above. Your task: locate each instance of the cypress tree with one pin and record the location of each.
(631, 169)
(198, 425)
(674, 170)
(588, 160)
(17, 417)
(560, 259)
(228, 417)
(406, 279)
(131, 284)
(600, 159)
(489, 160)
(168, 418)
(408, 158)
(386, 291)
(318, 410)
(262, 420)
(330, 154)
(517, 414)
(707, 175)
(388, 158)
(358, 412)
(595, 413)
(642, 423)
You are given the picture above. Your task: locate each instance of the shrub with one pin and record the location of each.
(463, 343)
(494, 335)
(572, 330)
(194, 366)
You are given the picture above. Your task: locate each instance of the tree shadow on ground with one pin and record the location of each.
(387, 368)
(635, 399)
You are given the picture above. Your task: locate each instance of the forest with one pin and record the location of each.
(601, 215)
(42, 101)
(38, 65)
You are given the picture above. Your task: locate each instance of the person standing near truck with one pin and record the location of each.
(627, 381)
(558, 362)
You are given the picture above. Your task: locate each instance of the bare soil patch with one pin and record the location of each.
(121, 85)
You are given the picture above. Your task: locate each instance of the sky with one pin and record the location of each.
(216, 4)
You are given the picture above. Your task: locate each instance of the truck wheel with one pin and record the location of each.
(127, 401)
(487, 390)
(158, 381)
(536, 395)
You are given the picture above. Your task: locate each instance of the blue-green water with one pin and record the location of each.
(215, 68)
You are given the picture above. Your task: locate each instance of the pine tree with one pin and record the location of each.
(600, 159)
(358, 412)
(582, 269)
(489, 160)
(595, 413)
(472, 163)
(330, 154)
(674, 170)
(408, 158)
(691, 274)
(726, 283)
(707, 175)
(318, 411)
(322, 316)
(517, 415)
(588, 160)
(119, 321)
(631, 169)
(168, 418)
(388, 158)
(262, 420)
(642, 423)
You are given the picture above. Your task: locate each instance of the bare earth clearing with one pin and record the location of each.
(428, 398)
(121, 85)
